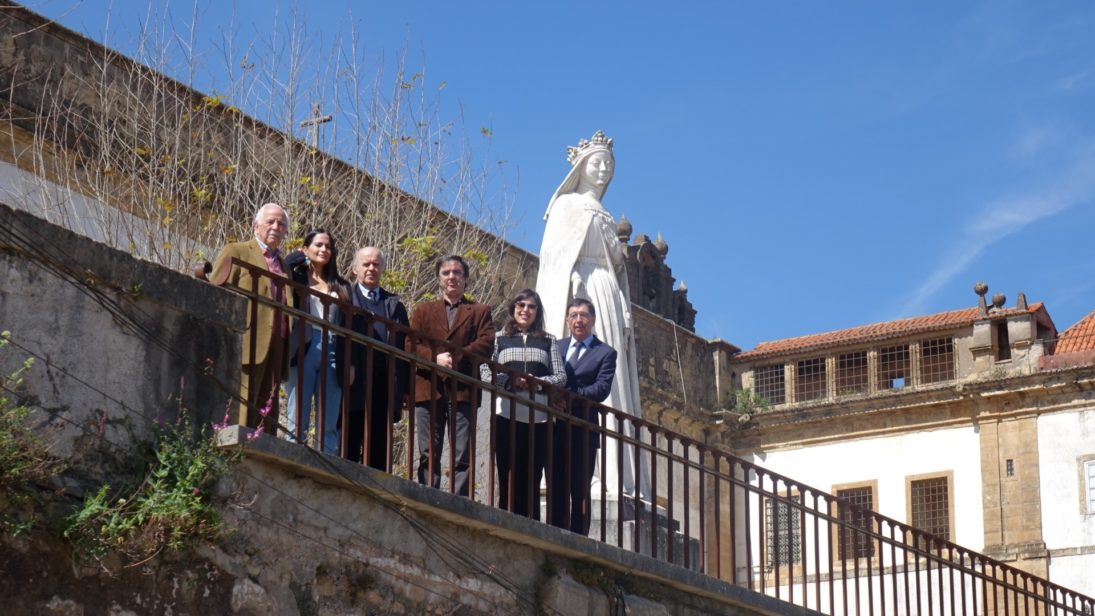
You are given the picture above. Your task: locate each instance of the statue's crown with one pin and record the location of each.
(598, 142)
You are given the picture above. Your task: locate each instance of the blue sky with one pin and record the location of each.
(813, 166)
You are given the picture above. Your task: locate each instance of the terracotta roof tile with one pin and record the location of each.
(1078, 337)
(877, 331)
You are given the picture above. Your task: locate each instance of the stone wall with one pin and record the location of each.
(312, 535)
(683, 377)
(116, 340)
(88, 123)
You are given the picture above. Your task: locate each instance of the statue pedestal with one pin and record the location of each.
(630, 515)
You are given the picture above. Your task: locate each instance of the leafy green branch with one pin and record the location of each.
(171, 508)
(744, 405)
(25, 460)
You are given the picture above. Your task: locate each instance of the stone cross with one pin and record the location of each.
(313, 123)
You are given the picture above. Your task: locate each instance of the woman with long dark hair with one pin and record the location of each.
(521, 432)
(314, 378)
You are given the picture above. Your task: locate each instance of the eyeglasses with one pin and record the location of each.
(526, 306)
(574, 316)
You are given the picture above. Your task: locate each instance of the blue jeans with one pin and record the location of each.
(304, 382)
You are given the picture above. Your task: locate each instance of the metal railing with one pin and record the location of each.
(713, 512)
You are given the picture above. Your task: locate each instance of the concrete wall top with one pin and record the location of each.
(113, 337)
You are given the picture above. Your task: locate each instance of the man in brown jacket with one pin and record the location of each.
(469, 331)
(267, 362)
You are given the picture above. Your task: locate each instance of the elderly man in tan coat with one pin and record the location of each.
(266, 362)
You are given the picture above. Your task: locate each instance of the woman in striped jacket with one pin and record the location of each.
(520, 432)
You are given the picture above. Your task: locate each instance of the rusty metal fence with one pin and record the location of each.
(708, 510)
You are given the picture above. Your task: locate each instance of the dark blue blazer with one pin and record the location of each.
(391, 308)
(591, 376)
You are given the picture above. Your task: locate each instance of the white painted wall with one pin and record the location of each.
(1062, 439)
(1074, 573)
(909, 596)
(94, 219)
(889, 460)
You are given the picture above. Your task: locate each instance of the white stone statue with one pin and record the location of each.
(581, 256)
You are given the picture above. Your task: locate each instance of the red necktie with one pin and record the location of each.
(277, 289)
(274, 265)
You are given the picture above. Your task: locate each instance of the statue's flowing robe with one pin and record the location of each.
(580, 242)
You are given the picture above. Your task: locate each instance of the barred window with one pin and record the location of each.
(768, 383)
(929, 503)
(810, 380)
(783, 526)
(852, 542)
(937, 360)
(893, 367)
(852, 376)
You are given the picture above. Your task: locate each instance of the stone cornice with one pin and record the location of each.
(957, 404)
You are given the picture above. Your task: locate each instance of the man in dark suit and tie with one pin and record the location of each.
(372, 400)
(590, 367)
(267, 363)
(467, 327)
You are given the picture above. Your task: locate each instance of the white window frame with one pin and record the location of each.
(1087, 484)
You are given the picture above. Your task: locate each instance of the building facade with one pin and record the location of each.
(976, 425)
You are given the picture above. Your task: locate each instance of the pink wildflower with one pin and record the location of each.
(217, 427)
(264, 412)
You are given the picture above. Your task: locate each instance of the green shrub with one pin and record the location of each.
(25, 460)
(170, 509)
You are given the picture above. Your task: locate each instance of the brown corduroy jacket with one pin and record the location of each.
(472, 333)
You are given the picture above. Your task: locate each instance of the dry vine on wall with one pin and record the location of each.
(182, 172)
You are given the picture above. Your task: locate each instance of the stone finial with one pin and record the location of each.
(1021, 303)
(998, 300)
(981, 288)
(647, 256)
(641, 239)
(683, 288)
(661, 245)
(623, 230)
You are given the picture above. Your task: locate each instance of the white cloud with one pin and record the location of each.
(1075, 80)
(1002, 218)
(1035, 140)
